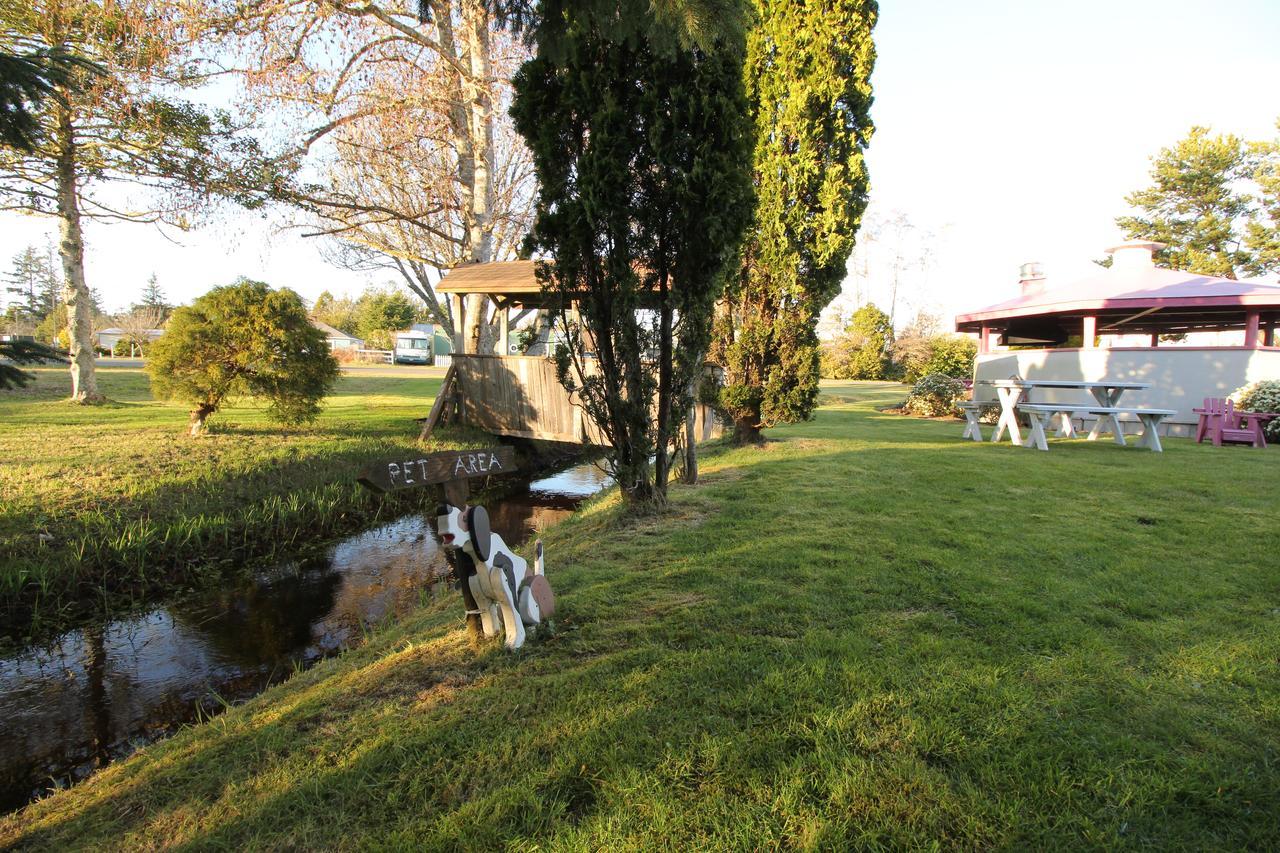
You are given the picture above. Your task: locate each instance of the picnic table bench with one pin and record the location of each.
(1041, 414)
(1106, 409)
(972, 411)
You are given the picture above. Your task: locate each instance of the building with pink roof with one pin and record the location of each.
(1109, 326)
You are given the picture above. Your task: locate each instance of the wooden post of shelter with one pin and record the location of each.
(1251, 321)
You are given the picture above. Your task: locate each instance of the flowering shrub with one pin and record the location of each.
(935, 395)
(1261, 396)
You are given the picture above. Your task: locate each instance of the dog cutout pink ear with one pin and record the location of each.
(542, 594)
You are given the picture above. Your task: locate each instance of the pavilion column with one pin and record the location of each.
(504, 320)
(1089, 332)
(1251, 319)
(1269, 334)
(984, 340)
(1155, 339)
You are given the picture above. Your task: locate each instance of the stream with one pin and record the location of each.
(103, 690)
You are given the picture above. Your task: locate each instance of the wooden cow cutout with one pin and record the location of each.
(499, 580)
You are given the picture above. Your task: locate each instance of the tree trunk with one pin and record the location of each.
(747, 431)
(84, 384)
(480, 124)
(666, 394)
(475, 25)
(690, 474)
(199, 415)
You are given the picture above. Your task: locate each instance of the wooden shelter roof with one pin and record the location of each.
(499, 278)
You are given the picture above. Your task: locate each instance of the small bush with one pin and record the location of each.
(123, 348)
(1261, 396)
(935, 396)
(952, 355)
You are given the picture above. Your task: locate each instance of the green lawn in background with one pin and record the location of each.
(103, 498)
(868, 633)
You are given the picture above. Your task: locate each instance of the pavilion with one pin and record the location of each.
(1111, 325)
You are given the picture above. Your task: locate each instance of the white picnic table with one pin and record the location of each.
(1107, 393)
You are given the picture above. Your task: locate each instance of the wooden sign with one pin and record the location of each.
(429, 469)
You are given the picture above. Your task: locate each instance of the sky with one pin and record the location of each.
(1006, 131)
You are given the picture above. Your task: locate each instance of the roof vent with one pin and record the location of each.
(1031, 278)
(1136, 254)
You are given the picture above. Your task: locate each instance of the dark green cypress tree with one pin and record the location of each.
(808, 81)
(640, 144)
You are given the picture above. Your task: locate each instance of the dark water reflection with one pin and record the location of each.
(100, 692)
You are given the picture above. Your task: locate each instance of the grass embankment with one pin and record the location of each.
(113, 499)
(869, 633)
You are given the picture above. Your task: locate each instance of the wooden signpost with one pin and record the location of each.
(499, 588)
(451, 468)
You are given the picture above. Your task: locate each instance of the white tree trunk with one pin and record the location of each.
(84, 384)
(479, 101)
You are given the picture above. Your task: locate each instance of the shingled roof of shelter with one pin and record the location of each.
(1131, 288)
(498, 277)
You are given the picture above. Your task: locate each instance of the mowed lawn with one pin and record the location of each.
(870, 633)
(101, 498)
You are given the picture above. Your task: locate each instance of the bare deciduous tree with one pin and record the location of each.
(399, 124)
(138, 324)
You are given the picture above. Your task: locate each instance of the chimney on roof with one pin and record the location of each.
(1031, 278)
(1135, 254)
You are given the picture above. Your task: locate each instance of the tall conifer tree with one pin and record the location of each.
(638, 135)
(808, 82)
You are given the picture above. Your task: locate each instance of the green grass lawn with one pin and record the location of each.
(117, 498)
(869, 633)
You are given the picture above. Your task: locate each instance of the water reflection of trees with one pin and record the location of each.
(265, 622)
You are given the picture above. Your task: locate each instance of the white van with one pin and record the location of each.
(413, 347)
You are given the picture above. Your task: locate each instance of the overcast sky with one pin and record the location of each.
(1008, 129)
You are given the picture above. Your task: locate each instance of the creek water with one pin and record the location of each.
(101, 691)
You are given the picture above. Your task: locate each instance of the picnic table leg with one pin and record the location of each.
(1150, 434)
(1037, 437)
(1066, 429)
(1008, 417)
(1108, 398)
(972, 428)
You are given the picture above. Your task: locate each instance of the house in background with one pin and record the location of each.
(1191, 336)
(108, 338)
(337, 338)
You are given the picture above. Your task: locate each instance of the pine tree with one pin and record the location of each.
(808, 80)
(153, 300)
(638, 139)
(23, 281)
(112, 115)
(244, 339)
(34, 284)
(1195, 205)
(1263, 235)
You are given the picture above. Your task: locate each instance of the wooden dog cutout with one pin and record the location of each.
(498, 579)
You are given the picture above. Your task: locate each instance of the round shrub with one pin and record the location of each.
(1261, 396)
(935, 396)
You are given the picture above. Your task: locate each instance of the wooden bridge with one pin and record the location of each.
(520, 396)
(517, 395)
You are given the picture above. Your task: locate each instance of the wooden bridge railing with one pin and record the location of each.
(520, 396)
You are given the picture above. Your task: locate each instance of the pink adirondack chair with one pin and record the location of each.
(1219, 422)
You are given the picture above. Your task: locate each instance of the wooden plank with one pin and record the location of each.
(438, 407)
(393, 475)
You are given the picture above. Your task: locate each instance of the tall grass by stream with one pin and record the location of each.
(114, 501)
